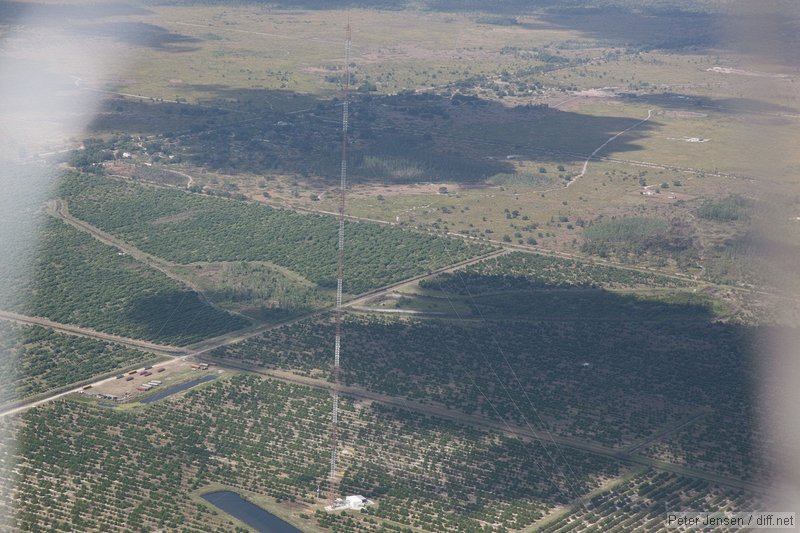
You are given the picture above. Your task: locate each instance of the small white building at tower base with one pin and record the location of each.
(354, 502)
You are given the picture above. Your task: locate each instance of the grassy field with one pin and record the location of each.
(259, 290)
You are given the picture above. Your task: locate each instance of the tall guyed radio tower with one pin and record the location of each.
(340, 272)
(354, 501)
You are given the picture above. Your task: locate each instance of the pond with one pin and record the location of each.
(177, 388)
(249, 513)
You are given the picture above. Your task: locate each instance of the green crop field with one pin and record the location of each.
(73, 278)
(637, 505)
(35, 360)
(234, 433)
(728, 440)
(187, 228)
(612, 381)
(633, 163)
(523, 271)
(595, 305)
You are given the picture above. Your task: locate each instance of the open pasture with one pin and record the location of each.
(501, 111)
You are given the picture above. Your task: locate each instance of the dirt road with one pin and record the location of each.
(69, 329)
(58, 208)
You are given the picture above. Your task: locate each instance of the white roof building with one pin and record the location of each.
(355, 501)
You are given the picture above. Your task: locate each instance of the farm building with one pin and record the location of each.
(354, 502)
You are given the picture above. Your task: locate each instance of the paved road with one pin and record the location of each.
(669, 430)
(203, 347)
(546, 438)
(241, 335)
(207, 345)
(21, 407)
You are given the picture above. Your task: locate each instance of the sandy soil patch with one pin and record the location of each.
(742, 72)
(684, 114)
(689, 139)
(601, 92)
(665, 196)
